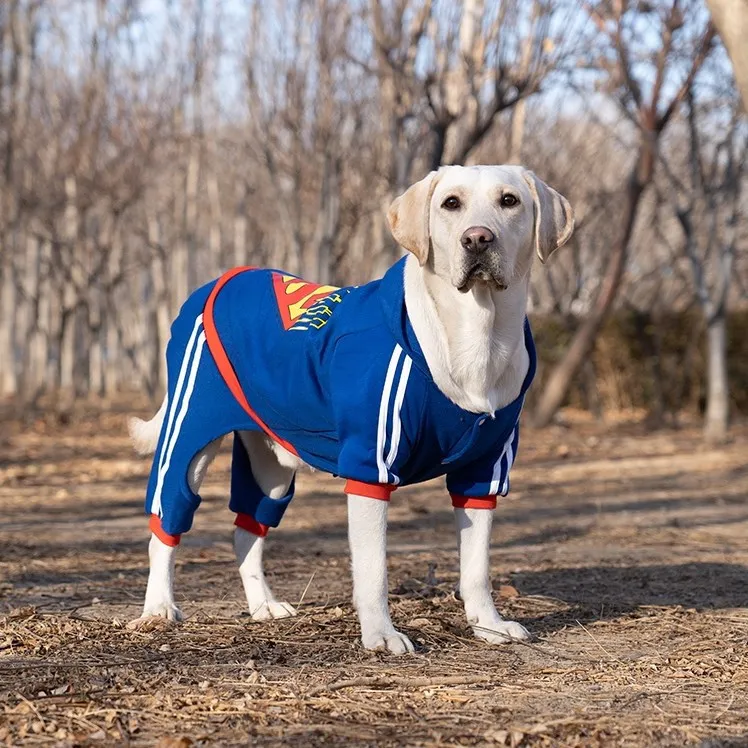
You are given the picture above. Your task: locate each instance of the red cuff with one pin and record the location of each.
(379, 491)
(155, 527)
(473, 502)
(250, 524)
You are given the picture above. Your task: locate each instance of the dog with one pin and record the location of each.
(418, 374)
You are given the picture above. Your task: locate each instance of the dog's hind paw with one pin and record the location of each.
(502, 632)
(388, 641)
(268, 610)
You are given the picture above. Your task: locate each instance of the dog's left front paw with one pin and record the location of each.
(389, 640)
(501, 632)
(167, 610)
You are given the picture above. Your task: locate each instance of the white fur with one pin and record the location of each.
(144, 434)
(473, 541)
(159, 594)
(367, 536)
(474, 346)
(472, 337)
(260, 599)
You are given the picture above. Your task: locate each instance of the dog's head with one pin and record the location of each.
(481, 224)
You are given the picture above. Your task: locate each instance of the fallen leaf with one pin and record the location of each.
(21, 613)
(497, 736)
(174, 742)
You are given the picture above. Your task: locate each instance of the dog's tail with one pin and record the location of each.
(144, 434)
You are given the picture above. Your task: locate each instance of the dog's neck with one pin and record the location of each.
(473, 342)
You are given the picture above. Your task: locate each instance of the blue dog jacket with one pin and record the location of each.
(337, 377)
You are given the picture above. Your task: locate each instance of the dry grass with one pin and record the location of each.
(629, 552)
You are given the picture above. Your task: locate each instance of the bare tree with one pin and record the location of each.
(447, 71)
(705, 180)
(649, 108)
(146, 147)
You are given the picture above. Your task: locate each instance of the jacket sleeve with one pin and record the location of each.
(485, 478)
(370, 386)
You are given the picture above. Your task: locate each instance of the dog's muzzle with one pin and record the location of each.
(486, 270)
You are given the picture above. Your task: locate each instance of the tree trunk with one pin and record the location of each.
(519, 113)
(69, 298)
(561, 377)
(240, 226)
(113, 357)
(94, 332)
(38, 354)
(8, 378)
(731, 19)
(161, 301)
(717, 387)
(190, 219)
(217, 262)
(517, 132)
(179, 270)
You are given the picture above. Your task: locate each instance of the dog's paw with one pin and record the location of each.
(268, 610)
(388, 641)
(169, 611)
(502, 632)
(156, 621)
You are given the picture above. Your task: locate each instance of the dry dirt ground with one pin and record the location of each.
(625, 553)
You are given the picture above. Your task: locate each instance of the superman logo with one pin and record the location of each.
(296, 297)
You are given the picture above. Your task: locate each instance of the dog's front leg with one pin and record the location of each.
(159, 595)
(367, 535)
(473, 540)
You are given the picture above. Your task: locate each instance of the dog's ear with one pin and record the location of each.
(408, 217)
(554, 218)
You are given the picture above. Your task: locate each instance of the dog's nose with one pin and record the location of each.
(477, 239)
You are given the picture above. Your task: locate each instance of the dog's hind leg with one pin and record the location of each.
(274, 480)
(159, 594)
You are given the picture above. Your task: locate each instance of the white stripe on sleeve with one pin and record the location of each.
(383, 408)
(496, 478)
(396, 420)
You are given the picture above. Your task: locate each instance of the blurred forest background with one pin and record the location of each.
(147, 146)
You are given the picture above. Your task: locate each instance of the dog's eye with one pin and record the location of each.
(451, 203)
(509, 201)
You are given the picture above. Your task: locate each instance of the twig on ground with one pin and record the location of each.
(306, 589)
(541, 650)
(612, 656)
(378, 681)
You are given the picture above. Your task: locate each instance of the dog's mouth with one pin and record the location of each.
(479, 273)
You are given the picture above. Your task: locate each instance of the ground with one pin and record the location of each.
(624, 553)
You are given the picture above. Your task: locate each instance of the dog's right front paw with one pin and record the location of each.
(169, 611)
(389, 640)
(269, 610)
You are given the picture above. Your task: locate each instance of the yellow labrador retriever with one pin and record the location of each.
(419, 374)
